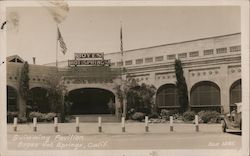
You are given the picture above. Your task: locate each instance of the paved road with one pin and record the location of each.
(135, 137)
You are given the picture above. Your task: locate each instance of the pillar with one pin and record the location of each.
(224, 88)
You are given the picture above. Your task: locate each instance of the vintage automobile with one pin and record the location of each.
(232, 122)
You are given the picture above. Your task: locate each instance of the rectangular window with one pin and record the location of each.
(182, 55)
(194, 54)
(120, 63)
(139, 61)
(149, 59)
(235, 48)
(221, 50)
(171, 57)
(129, 62)
(159, 58)
(208, 52)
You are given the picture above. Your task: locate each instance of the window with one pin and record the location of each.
(194, 54)
(139, 61)
(11, 99)
(235, 48)
(167, 96)
(208, 52)
(205, 94)
(129, 62)
(149, 59)
(171, 57)
(159, 58)
(182, 55)
(119, 63)
(221, 50)
(235, 94)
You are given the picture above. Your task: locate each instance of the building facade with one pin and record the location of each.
(212, 68)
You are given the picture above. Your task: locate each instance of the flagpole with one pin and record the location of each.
(122, 72)
(57, 45)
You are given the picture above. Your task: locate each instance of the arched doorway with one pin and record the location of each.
(11, 99)
(38, 100)
(167, 96)
(205, 95)
(235, 94)
(91, 101)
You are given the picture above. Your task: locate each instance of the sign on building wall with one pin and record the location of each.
(89, 59)
(89, 55)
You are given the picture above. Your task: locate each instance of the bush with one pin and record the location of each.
(188, 116)
(154, 115)
(209, 116)
(165, 114)
(50, 116)
(10, 116)
(138, 116)
(40, 116)
(130, 113)
(22, 120)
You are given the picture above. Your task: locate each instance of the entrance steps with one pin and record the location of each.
(94, 118)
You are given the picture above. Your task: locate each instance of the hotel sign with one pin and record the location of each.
(89, 59)
(89, 62)
(89, 55)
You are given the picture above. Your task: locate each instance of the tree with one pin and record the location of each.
(56, 92)
(24, 90)
(132, 95)
(181, 87)
(121, 92)
(141, 98)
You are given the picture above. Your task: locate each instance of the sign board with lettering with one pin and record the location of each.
(89, 59)
(89, 55)
(88, 62)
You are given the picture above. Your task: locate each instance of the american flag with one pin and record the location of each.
(62, 43)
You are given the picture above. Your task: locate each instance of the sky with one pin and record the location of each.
(97, 29)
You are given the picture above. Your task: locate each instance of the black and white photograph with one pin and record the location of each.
(123, 78)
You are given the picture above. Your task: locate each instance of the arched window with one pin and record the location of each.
(11, 99)
(235, 93)
(167, 96)
(205, 94)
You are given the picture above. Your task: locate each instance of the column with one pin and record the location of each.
(224, 88)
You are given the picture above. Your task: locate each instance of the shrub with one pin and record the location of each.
(10, 116)
(138, 116)
(154, 115)
(22, 119)
(209, 116)
(189, 116)
(40, 116)
(165, 114)
(50, 116)
(130, 113)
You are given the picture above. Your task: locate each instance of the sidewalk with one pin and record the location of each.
(114, 128)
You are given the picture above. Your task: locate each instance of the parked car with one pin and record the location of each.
(232, 122)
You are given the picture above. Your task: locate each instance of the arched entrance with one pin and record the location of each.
(205, 95)
(38, 100)
(166, 96)
(235, 94)
(91, 101)
(11, 99)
